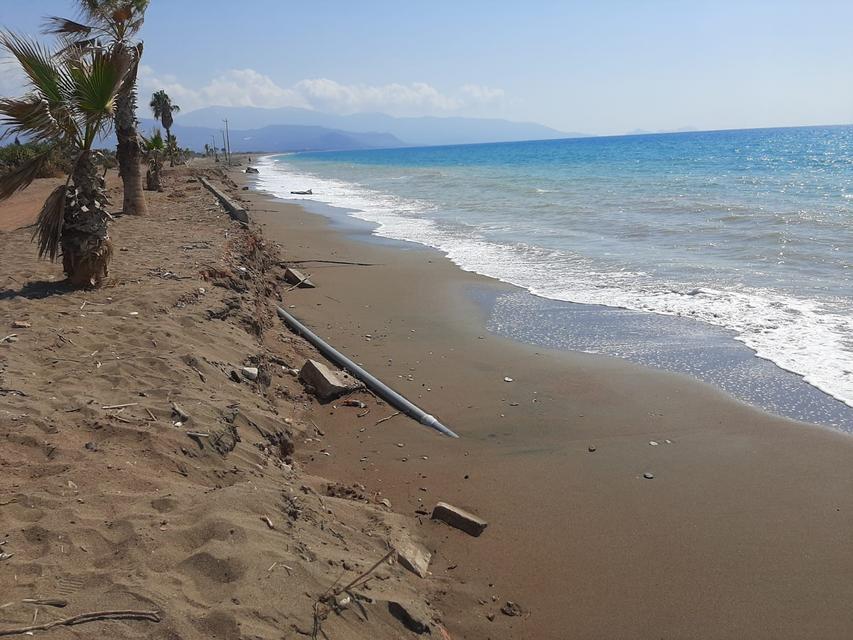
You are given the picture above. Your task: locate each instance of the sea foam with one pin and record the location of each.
(806, 337)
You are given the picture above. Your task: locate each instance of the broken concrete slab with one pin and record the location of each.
(296, 277)
(459, 518)
(326, 383)
(412, 555)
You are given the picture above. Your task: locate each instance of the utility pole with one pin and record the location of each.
(227, 142)
(215, 152)
(224, 147)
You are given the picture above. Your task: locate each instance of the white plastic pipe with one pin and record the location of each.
(374, 384)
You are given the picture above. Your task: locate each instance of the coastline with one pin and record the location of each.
(753, 504)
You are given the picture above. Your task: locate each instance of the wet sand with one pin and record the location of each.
(744, 530)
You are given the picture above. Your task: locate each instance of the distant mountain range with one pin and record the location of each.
(281, 137)
(291, 129)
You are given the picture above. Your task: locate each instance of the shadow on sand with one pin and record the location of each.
(37, 290)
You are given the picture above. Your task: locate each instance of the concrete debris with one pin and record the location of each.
(413, 556)
(250, 373)
(293, 276)
(327, 384)
(459, 518)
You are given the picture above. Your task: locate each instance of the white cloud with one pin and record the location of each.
(247, 87)
(482, 93)
(418, 97)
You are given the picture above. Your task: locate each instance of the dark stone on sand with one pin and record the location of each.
(511, 609)
(411, 617)
(459, 518)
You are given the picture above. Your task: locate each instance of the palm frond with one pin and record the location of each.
(49, 223)
(121, 20)
(38, 63)
(29, 115)
(54, 25)
(97, 79)
(21, 177)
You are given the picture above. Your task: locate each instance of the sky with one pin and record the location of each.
(605, 67)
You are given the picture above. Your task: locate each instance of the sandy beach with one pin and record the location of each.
(743, 531)
(236, 522)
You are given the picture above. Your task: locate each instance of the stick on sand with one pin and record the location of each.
(86, 617)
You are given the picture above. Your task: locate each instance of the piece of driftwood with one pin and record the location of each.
(94, 616)
(47, 602)
(393, 415)
(120, 406)
(304, 280)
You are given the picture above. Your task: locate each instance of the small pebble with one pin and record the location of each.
(648, 476)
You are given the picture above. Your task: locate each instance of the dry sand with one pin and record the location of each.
(107, 503)
(744, 531)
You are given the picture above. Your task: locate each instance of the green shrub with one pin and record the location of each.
(15, 154)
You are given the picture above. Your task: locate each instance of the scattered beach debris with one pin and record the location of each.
(591, 448)
(511, 609)
(354, 403)
(413, 556)
(21, 324)
(120, 406)
(459, 518)
(297, 278)
(507, 379)
(326, 383)
(648, 475)
(181, 415)
(250, 373)
(268, 522)
(653, 443)
(152, 616)
(306, 192)
(393, 415)
(46, 602)
(251, 170)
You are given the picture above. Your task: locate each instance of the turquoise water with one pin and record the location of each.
(749, 231)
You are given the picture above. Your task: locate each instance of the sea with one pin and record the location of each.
(727, 255)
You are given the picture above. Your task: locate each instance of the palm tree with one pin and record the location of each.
(153, 149)
(114, 24)
(162, 107)
(71, 101)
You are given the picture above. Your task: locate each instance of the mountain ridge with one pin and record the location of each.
(415, 131)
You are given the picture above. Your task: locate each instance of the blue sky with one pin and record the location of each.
(607, 67)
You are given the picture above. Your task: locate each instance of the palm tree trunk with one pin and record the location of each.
(85, 242)
(129, 153)
(169, 146)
